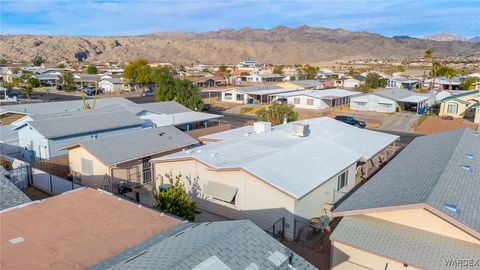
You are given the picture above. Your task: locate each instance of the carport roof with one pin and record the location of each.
(414, 99)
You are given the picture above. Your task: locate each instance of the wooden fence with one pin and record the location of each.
(58, 166)
(196, 133)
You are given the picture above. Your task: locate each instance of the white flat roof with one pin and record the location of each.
(292, 164)
(321, 93)
(179, 118)
(414, 99)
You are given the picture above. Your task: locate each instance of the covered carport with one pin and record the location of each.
(415, 103)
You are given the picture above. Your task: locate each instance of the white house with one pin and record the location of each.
(265, 78)
(286, 175)
(318, 99)
(111, 85)
(388, 100)
(253, 94)
(350, 82)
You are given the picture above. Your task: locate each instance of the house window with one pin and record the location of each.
(310, 101)
(228, 96)
(342, 180)
(361, 103)
(296, 101)
(240, 97)
(221, 192)
(385, 105)
(452, 108)
(146, 170)
(87, 166)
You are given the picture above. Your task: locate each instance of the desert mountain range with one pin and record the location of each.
(280, 45)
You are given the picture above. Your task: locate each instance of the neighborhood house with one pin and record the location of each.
(464, 105)
(286, 175)
(391, 100)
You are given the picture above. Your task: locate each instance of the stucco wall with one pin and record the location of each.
(460, 109)
(425, 220)
(345, 257)
(75, 156)
(234, 96)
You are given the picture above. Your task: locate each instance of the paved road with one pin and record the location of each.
(236, 120)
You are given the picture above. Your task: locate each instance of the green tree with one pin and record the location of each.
(363, 88)
(28, 90)
(175, 199)
(61, 65)
(91, 69)
(465, 83)
(244, 73)
(222, 69)
(33, 82)
(444, 70)
(310, 72)
(67, 81)
(374, 80)
(3, 62)
(278, 70)
(138, 72)
(449, 74)
(168, 88)
(275, 114)
(435, 67)
(206, 70)
(38, 61)
(9, 85)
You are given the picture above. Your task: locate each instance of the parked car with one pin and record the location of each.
(59, 87)
(206, 107)
(90, 91)
(351, 121)
(149, 93)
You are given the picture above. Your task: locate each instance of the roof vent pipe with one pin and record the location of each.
(301, 129)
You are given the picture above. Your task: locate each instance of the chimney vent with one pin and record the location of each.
(301, 129)
(262, 127)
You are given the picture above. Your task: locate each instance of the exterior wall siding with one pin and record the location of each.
(424, 220)
(317, 103)
(255, 199)
(345, 257)
(373, 104)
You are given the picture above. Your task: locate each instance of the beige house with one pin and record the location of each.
(101, 163)
(420, 212)
(278, 177)
(465, 105)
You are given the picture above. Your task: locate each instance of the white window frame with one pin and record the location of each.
(342, 180)
(82, 160)
(453, 105)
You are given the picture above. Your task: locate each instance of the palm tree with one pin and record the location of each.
(435, 67)
(427, 56)
(450, 74)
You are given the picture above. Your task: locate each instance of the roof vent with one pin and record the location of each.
(469, 156)
(16, 240)
(214, 154)
(467, 168)
(277, 258)
(477, 134)
(199, 150)
(451, 207)
(262, 127)
(301, 129)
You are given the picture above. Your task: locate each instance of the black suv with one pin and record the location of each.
(351, 121)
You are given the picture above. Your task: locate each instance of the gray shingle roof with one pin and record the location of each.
(237, 244)
(402, 243)
(79, 124)
(137, 144)
(167, 107)
(438, 169)
(63, 106)
(10, 195)
(8, 133)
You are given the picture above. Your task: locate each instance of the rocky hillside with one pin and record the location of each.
(278, 45)
(443, 36)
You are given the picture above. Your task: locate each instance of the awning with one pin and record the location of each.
(414, 99)
(220, 191)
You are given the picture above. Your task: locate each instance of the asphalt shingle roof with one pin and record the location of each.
(437, 170)
(137, 144)
(418, 248)
(10, 195)
(63, 106)
(79, 124)
(237, 244)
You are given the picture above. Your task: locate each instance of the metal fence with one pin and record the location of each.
(20, 177)
(50, 183)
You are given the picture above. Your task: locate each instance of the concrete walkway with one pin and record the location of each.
(399, 122)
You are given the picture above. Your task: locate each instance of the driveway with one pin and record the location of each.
(399, 122)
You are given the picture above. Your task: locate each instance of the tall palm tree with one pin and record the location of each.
(427, 57)
(450, 74)
(435, 67)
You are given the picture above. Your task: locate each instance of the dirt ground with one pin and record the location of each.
(435, 124)
(35, 194)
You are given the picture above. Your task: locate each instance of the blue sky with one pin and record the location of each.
(129, 17)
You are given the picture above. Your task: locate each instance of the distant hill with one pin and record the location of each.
(475, 39)
(443, 36)
(280, 45)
